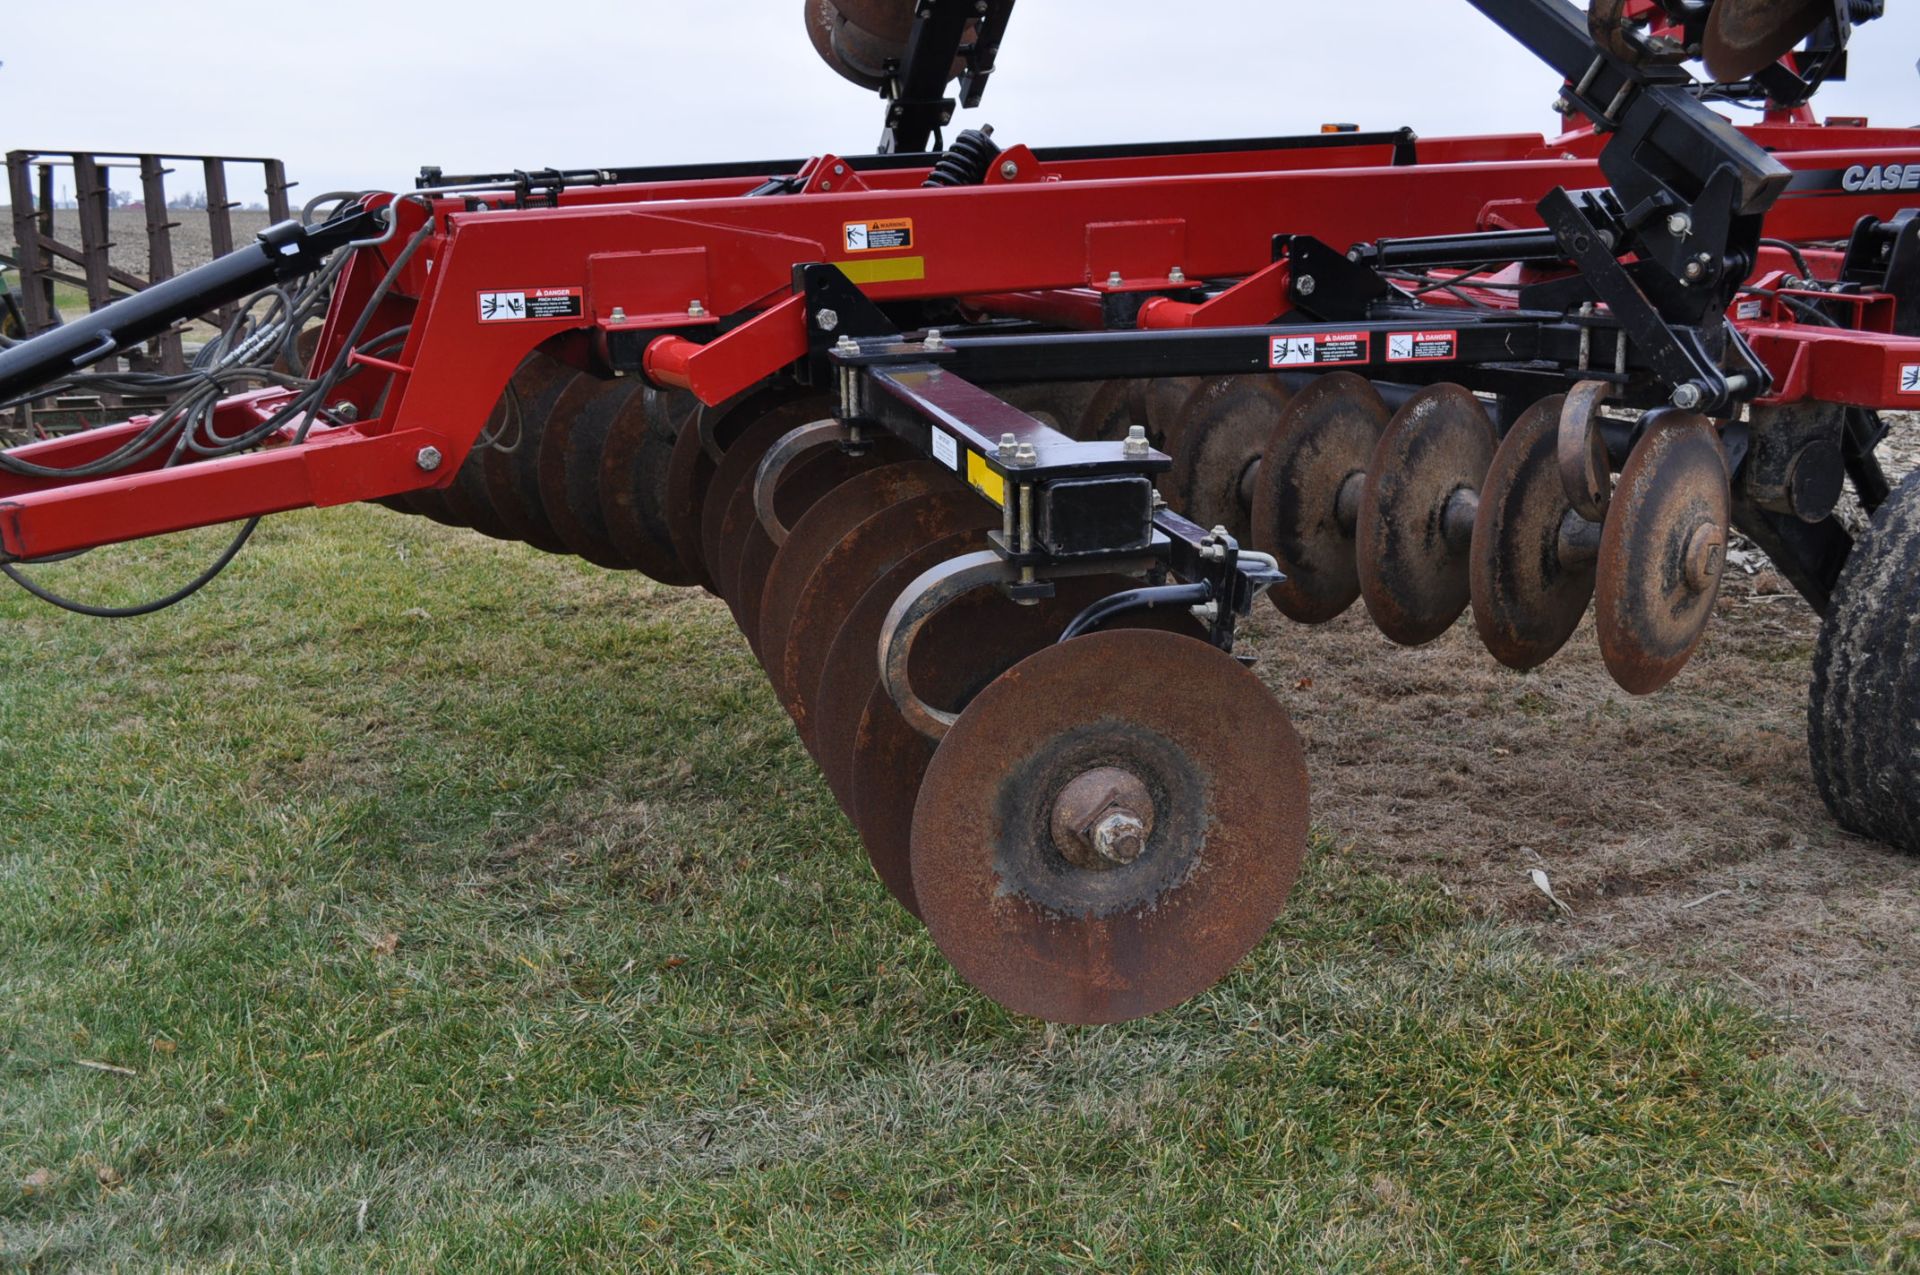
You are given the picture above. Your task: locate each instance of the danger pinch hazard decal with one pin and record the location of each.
(513, 305)
(1910, 379)
(1422, 347)
(892, 235)
(1322, 349)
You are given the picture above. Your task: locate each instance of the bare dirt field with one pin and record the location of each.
(192, 240)
(1683, 830)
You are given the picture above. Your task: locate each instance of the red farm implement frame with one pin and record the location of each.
(1387, 360)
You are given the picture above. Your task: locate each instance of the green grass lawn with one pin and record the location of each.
(454, 907)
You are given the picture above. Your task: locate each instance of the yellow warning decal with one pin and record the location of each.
(885, 270)
(985, 481)
(888, 234)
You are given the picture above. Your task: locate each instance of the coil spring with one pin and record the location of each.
(967, 161)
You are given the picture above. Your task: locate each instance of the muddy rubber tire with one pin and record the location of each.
(1863, 719)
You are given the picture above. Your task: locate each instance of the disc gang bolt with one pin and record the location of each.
(846, 345)
(1009, 447)
(1706, 555)
(1103, 819)
(1026, 456)
(428, 458)
(1136, 446)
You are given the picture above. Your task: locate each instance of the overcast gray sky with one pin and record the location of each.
(362, 92)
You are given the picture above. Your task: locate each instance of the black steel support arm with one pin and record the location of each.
(282, 252)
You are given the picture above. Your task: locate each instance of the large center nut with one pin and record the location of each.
(1103, 819)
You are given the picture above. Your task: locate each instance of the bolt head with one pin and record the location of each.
(1136, 444)
(344, 410)
(829, 320)
(1114, 279)
(1176, 275)
(1306, 285)
(1026, 456)
(1009, 445)
(1687, 397)
(1009, 170)
(428, 458)
(619, 314)
(1679, 225)
(846, 345)
(1103, 819)
(1120, 838)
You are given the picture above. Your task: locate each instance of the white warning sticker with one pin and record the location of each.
(1749, 310)
(1910, 378)
(1422, 347)
(946, 451)
(1321, 349)
(517, 304)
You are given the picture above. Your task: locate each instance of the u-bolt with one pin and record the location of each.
(773, 466)
(921, 601)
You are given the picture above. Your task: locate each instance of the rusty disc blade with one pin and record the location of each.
(734, 472)
(1745, 37)
(816, 536)
(466, 502)
(572, 448)
(470, 499)
(843, 577)
(1161, 402)
(852, 670)
(1111, 412)
(1197, 761)
(430, 503)
(1416, 513)
(962, 649)
(1307, 500)
(1663, 551)
(701, 441)
(1533, 555)
(635, 473)
(1216, 449)
(831, 520)
(512, 465)
(822, 20)
(807, 481)
(891, 20)
(1060, 405)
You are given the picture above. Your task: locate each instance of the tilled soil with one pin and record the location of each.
(1683, 831)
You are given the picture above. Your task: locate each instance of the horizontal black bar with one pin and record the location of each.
(281, 252)
(1403, 140)
(1450, 342)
